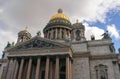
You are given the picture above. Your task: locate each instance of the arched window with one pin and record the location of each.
(49, 35)
(54, 35)
(102, 74)
(101, 71)
(62, 34)
(77, 35)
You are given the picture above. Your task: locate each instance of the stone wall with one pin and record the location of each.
(81, 68)
(79, 47)
(113, 70)
(99, 47)
(1, 69)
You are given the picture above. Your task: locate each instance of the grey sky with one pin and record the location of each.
(15, 15)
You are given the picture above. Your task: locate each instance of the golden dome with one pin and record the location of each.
(60, 15)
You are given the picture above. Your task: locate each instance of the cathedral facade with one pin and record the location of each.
(63, 53)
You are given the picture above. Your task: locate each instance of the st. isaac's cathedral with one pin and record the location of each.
(63, 53)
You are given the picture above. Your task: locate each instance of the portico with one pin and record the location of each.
(51, 69)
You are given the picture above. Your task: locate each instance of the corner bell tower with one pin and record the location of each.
(78, 32)
(23, 35)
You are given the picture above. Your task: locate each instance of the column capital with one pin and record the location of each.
(57, 56)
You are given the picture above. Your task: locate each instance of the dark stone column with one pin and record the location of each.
(57, 68)
(6, 70)
(65, 33)
(67, 68)
(37, 69)
(20, 69)
(96, 74)
(51, 70)
(60, 33)
(70, 69)
(106, 74)
(29, 68)
(56, 33)
(47, 68)
(13, 69)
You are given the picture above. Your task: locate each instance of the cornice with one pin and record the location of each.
(3, 60)
(100, 57)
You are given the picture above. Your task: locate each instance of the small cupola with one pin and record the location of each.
(78, 31)
(23, 35)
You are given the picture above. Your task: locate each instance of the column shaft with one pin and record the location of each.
(29, 68)
(96, 74)
(47, 34)
(71, 70)
(37, 69)
(13, 69)
(67, 68)
(51, 70)
(70, 66)
(60, 33)
(65, 34)
(47, 68)
(57, 68)
(106, 74)
(20, 69)
(6, 70)
(56, 33)
(51, 33)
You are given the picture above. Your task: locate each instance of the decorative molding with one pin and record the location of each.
(38, 42)
(109, 56)
(79, 54)
(95, 57)
(42, 52)
(3, 60)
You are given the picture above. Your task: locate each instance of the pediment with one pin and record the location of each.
(38, 42)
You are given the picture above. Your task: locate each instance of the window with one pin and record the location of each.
(101, 71)
(49, 35)
(78, 35)
(0, 65)
(102, 74)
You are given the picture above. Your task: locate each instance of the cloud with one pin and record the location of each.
(113, 31)
(17, 14)
(1, 10)
(34, 13)
(5, 36)
(93, 30)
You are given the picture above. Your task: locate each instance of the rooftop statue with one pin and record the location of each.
(67, 39)
(38, 33)
(119, 50)
(106, 35)
(8, 45)
(92, 37)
